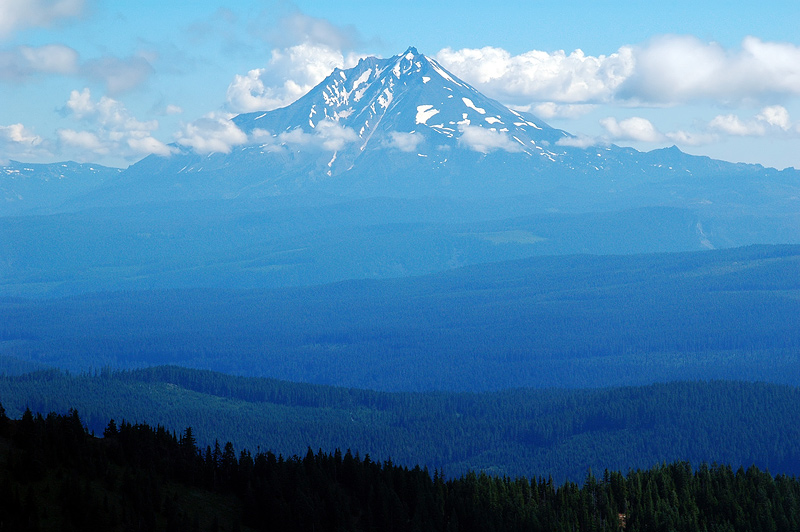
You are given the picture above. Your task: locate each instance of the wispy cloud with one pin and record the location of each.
(689, 138)
(22, 62)
(298, 27)
(119, 74)
(548, 110)
(773, 119)
(579, 141)
(484, 140)
(84, 140)
(407, 142)
(20, 14)
(634, 128)
(327, 135)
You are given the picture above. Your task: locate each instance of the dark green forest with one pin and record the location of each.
(561, 433)
(55, 476)
(577, 322)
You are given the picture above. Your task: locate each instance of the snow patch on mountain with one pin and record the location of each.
(468, 102)
(424, 112)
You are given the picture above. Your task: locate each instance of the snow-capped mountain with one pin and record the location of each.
(402, 126)
(407, 103)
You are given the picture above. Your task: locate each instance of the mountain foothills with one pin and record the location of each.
(42, 188)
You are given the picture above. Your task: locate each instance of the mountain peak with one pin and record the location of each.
(407, 102)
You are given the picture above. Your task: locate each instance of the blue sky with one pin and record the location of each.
(110, 82)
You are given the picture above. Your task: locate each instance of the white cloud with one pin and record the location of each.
(776, 115)
(333, 136)
(548, 110)
(579, 141)
(675, 69)
(20, 14)
(687, 138)
(634, 128)
(773, 119)
(212, 133)
(407, 142)
(113, 129)
(247, 93)
(538, 75)
(81, 104)
(733, 125)
(108, 113)
(173, 109)
(19, 142)
(485, 140)
(51, 58)
(25, 61)
(54, 58)
(83, 140)
(327, 135)
(291, 73)
(667, 70)
(19, 134)
(149, 145)
(296, 137)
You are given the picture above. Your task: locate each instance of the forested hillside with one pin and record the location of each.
(577, 321)
(561, 433)
(54, 476)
